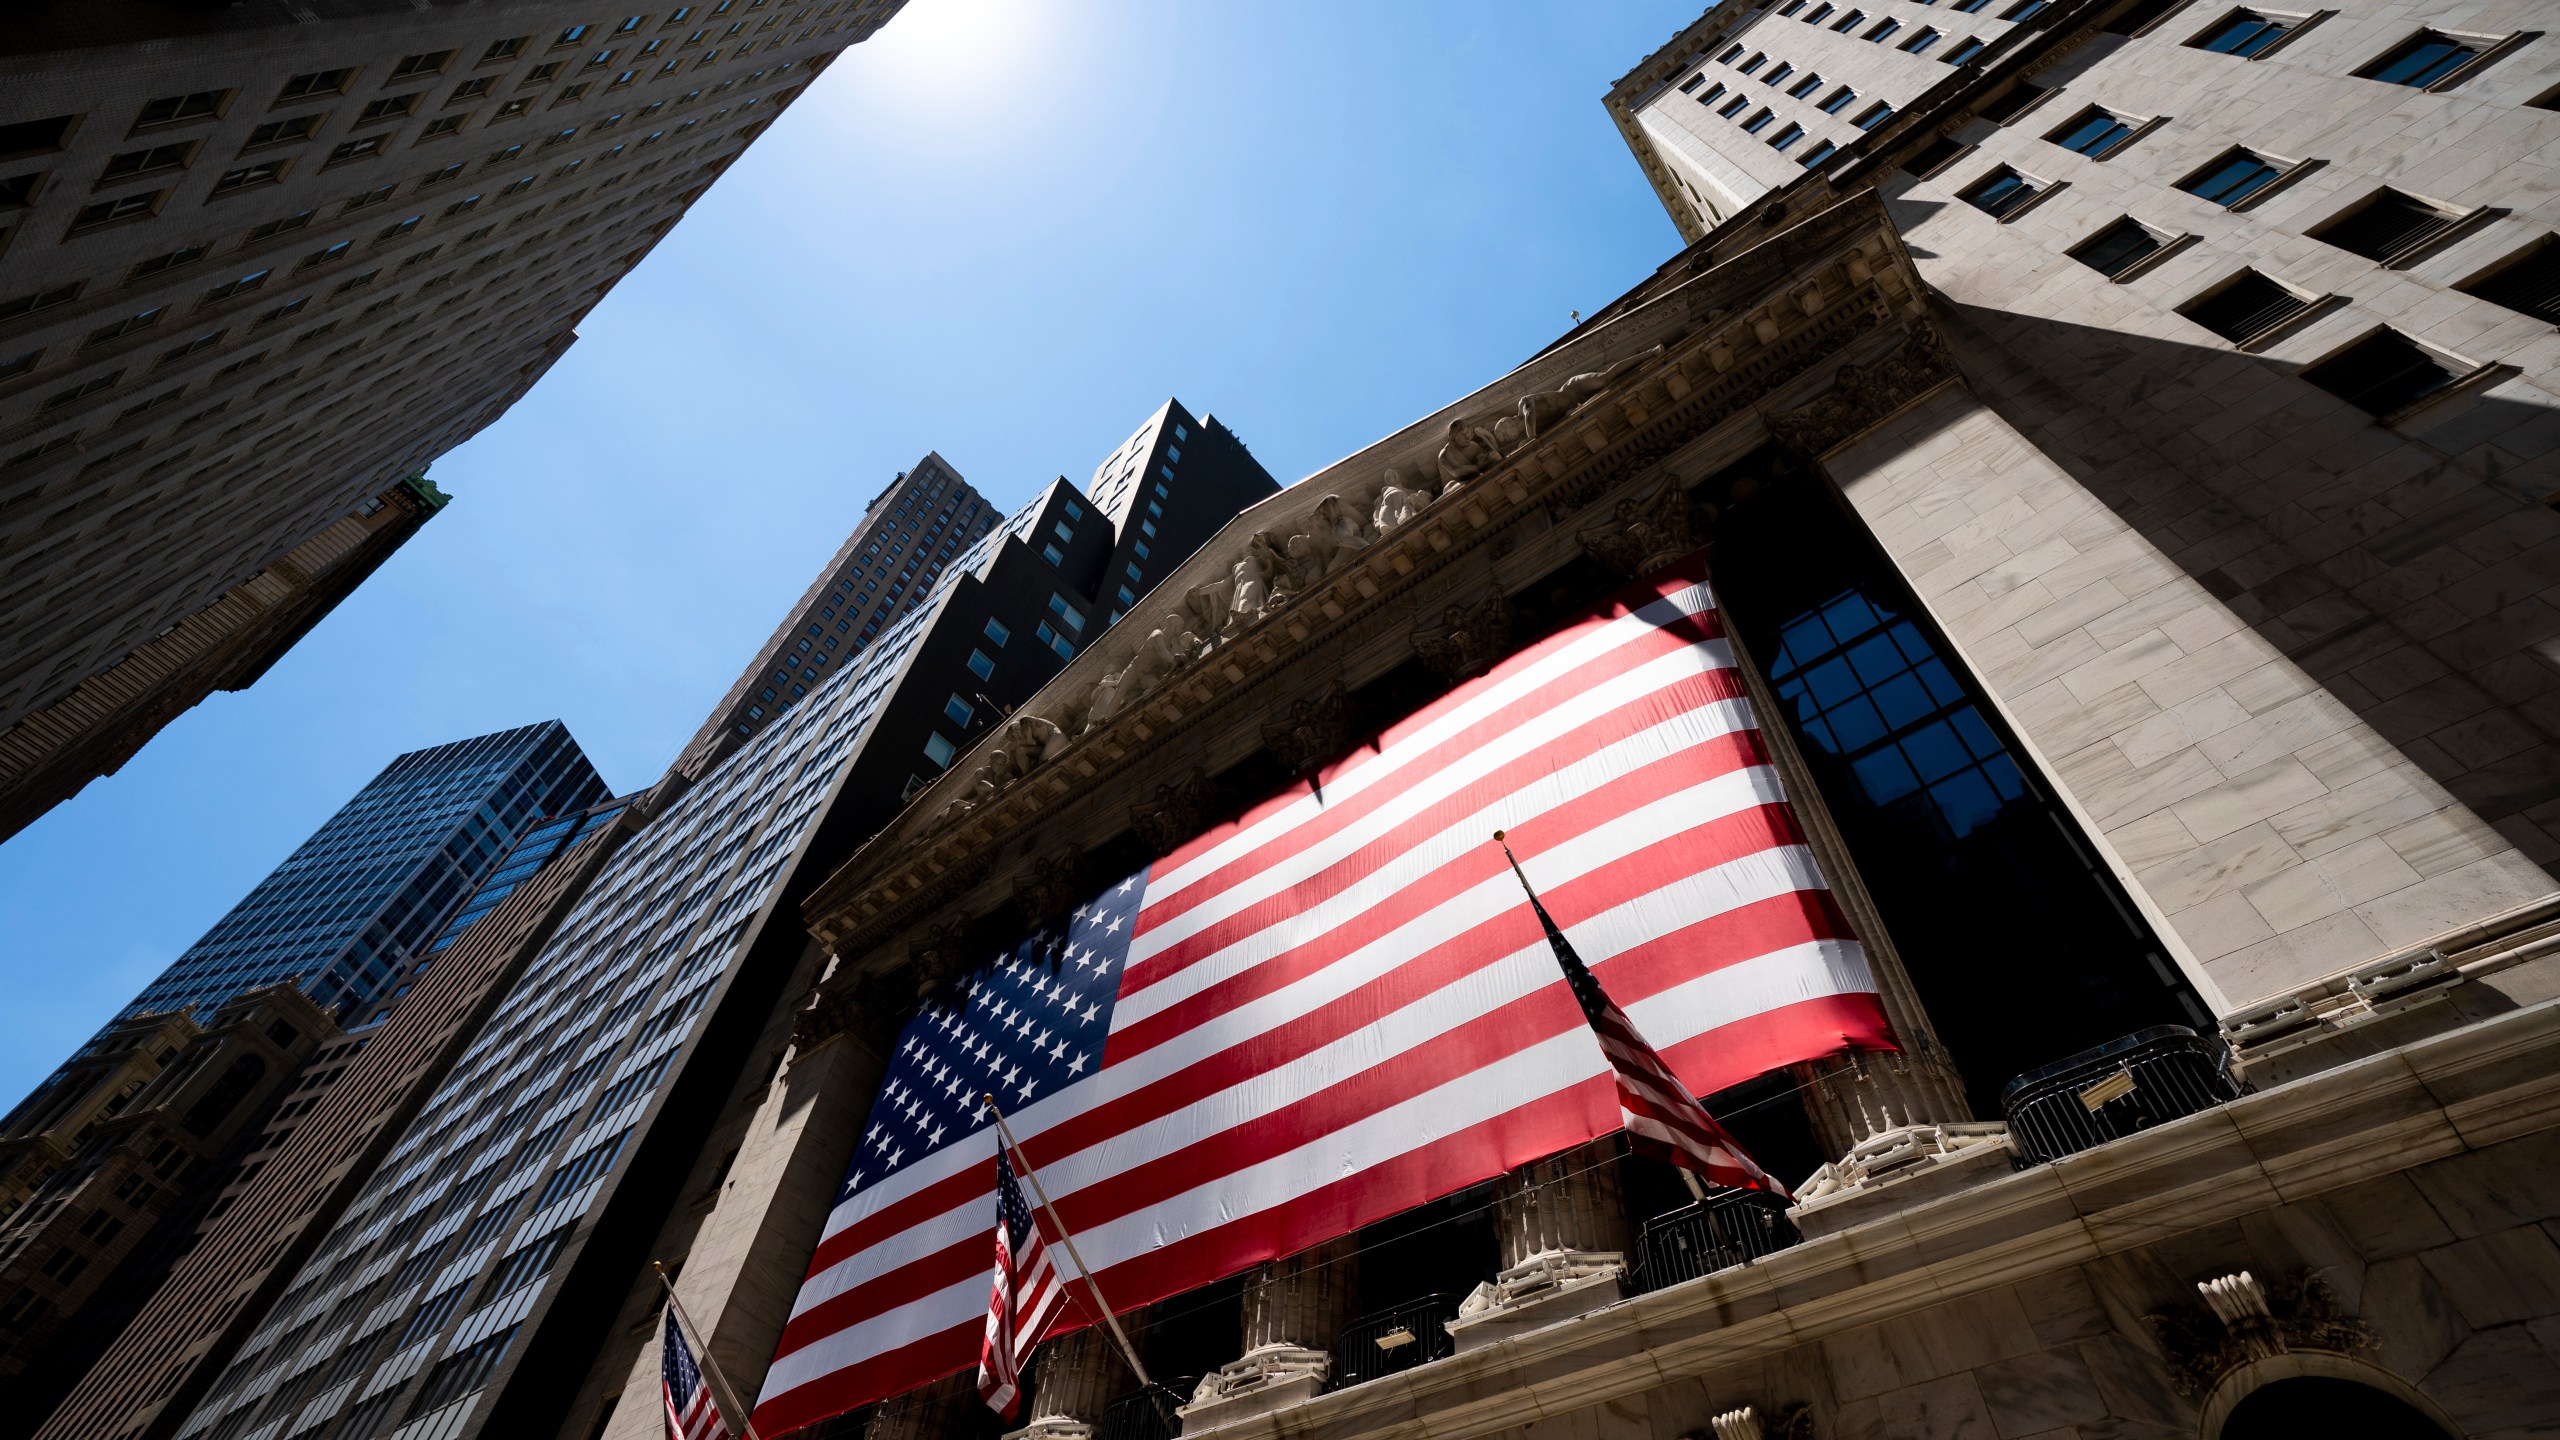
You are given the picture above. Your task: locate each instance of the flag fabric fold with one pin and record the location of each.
(690, 1413)
(1333, 1007)
(1026, 1296)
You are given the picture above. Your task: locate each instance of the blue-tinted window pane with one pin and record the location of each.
(2246, 33)
(1966, 800)
(1935, 752)
(1856, 724)
(1976, 732)
(2005, 777)
(2094, 134)
(1884, 775)
(2234, 180)
(1850, 616)
(1876, 660)
(2425, 61)
(1831, 682)
(1914, 647)
(1904, 701)
(1941, 684)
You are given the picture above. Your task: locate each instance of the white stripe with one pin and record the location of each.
(1732, 993)
(1508, 693)
(1647, 917)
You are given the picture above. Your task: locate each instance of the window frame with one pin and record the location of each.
(2487, 50)
(2165, 245)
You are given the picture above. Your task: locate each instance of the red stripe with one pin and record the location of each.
(1718, 683)
(1712, 943)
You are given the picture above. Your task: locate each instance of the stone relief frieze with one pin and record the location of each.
(1312, 731)
(1648, 531)
(1466, 639)
(2243, 1321)
(1864, 396)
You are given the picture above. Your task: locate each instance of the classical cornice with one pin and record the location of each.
(1234, 635)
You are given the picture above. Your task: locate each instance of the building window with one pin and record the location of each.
(1758, 122)
(1754, 63)
(1692, 82)
(1818, 154)
(1731, 108)
(1965, 49)
(939, 750)
(317, 82)
(113, 212)
(389, 107)
(2094, 133)
(1873, 116)
(1848, 22)
(2244, 306)
(2023, 11)
(1806, 86)
(2381, 373)
(1786, 137)
(1919, 44)
(1055, 641)
(959, 711)
(981, 664)
(2000, 193)
(1053, 554)
(2232, 179)
(2117, 248)
(1838, 100)
(2422, 60)
(363, 149)
(2384, 225)
(1884, 30)
(1060, 607)
(1781, 73)
(179, 109)
(2527, 282)
(2243, 33)
(504, 50)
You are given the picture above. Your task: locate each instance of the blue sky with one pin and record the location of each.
(1004, 231)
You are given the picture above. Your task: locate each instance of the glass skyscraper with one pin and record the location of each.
(382, 877)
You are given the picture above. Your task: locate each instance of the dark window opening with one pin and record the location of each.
(2001, 192)
(2117, 248)
(1949, 822)
(2242, 32)
(1933, 157)
(2422, 60)
(2320, 1404)
(2528, 283)
(2140, 16)
(2235, 177)
(2247, 306)
(2381, 373)
(2008, 103)
(2384, 225)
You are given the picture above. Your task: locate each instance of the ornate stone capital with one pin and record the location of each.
(1794, 1422)
(1175, 813)
(1466, 639)
(1864, 396)
(1646, 531)
(935, 957)
(1313, 730)
(2243, 1321)
(1047, 887)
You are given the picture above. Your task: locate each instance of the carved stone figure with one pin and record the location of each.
(1340, 526)
(1467, 639)
(1251, 586)
(1545, 407)
(1205, 606)
(1645, 532)
(1159, 655)
(1470, 451)
(1397, 505)
(1312, 731)
(1175, 814)
(1048, 886)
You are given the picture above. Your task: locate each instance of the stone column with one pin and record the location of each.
(1075, 1377)
(1294, 1313)
(1562, 1226)
(1887, 1117)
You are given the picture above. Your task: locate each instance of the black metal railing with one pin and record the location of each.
(1150, 1414)
(2142, 1080)
(1411, 1334)
(1728, 1228)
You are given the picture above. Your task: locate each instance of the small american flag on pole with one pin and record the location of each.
(1027, 1293)
(690, 1413)
(1660, 1116)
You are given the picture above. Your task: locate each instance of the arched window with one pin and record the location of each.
(2325, 1405)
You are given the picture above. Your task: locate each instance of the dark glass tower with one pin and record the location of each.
(381, 878)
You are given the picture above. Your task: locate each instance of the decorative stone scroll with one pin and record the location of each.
(1646, 532)
(1466, 639)
(1313, 731)
(2243, 1321)
(1864, 396)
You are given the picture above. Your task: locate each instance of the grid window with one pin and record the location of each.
(2422, 60)
(179, 109)
(110, 212)
(958, 711)
(2242, 32)
(981, 664)
(2384, 372)
(2235, 177)
(316, 82)
(2001, 192)
(2117, 248)
(2246, 306)
(2528, 283)
(1869, 689)
(939, 750)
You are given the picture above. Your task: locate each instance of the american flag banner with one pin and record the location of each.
(1334, 1008)
(1026, 1296)
(690, 1413)
(1660, 1116)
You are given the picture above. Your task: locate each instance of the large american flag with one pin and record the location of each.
(690, 1413)
(1334, 1007)
(1027, 1293)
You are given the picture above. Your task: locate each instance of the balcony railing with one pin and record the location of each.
(1728, 1228)
(1410, 1334)
(1150, 1414)
(2120, 1087)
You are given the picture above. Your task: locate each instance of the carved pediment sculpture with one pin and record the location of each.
(1165, 650)
(1313, 731)
(2243, 1321)
(1542, 408)
(1863, 396)
(1397, 505)
(1466, 639)
(1646, 532)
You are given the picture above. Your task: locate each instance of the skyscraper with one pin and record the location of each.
(383, 874)
(600, 1086)
(256, 266)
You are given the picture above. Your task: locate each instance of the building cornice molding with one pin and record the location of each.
(1302, 579)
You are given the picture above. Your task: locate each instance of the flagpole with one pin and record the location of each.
(710, 1362)
(1697, 1191)
(1128, 1352)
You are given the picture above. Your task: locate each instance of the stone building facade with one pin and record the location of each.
(2177, 591)
(256, 266)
